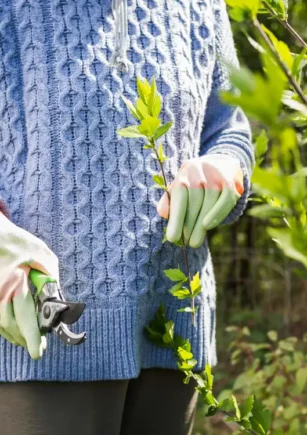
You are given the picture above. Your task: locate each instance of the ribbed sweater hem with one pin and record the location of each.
(116, 345)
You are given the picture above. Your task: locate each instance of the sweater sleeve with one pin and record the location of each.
(226, 129)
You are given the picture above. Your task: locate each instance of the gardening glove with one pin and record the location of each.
(19, 252)
(203, 193)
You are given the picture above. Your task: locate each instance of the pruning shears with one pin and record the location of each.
(54, 312)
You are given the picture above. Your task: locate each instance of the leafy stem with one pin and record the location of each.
(183, 245)
(250, 414)
(286, 24)
(279, 61)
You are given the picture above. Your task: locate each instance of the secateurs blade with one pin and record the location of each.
(54, 312)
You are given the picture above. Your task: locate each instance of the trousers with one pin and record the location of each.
(155, 403)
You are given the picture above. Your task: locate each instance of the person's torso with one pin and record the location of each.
(65, 173)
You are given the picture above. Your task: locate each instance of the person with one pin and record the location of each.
(77, 204)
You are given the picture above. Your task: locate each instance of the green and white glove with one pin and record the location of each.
(19, 252)
(204, 192)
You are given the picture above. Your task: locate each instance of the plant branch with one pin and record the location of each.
(230, 415)
(286, 24)
(280, 62)
(184, 248)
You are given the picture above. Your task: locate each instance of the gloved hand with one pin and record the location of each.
(19, 252)
(204, 192)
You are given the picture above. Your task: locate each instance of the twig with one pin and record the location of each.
(280, 62)
(184, 248)
(286, 24)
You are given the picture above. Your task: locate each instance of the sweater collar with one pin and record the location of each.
(120, 11)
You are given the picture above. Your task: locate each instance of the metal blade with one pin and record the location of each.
(73, 313)
(69, 337)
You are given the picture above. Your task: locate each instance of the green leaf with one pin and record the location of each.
(142, 108)
(261, 419)
(299, 63)
(280, 7)
(226, 405)
(132, 108)
(131, 131)
(212, 410)
(267, 182)
(195, 283)
(187, 365)
(144, 89)
(261, 145)
(163, 129)
(301, 378)
(246, 406)
(152, 96)
(153, 333)
(148, 126)
(175, 274)
(235, 404)
(272, 335)
(188, 310)
(294, 104)
(209, 398)
(251, 89)
(182, 342)
(267, 211)
(184, 354)
(158, 179)
(177, 286)
(249, 7)
(148, 147)
(245, 423)
(161, 155)
(168, 337)
(157, 106)
(209, 376)
(292, 244)
(281, 47)
(182, 293)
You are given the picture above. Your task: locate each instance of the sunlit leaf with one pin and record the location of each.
(131, 131)
(144, 89)
(157, 106)
(152, 96)
(142, 108)
(301, 378)
(182, 293)
(133, 110)
(292, 243)
(261, 145)
(195, 283)
(175, 274)
(235, 404)
(149, 125)
(266, 211)
(281, 47)
(158, 179)
(184, 354)
(163, 129)
(248, 7)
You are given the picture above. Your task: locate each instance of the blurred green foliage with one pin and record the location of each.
(261, 261)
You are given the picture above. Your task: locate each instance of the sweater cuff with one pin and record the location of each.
(4, 208)
(242, 152)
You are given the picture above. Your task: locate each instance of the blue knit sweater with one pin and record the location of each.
(67, 177)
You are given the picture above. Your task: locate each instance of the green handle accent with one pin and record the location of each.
(39, 279)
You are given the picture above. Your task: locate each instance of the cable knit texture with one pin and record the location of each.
(67, 177)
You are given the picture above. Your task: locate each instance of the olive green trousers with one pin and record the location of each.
(156, 403)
